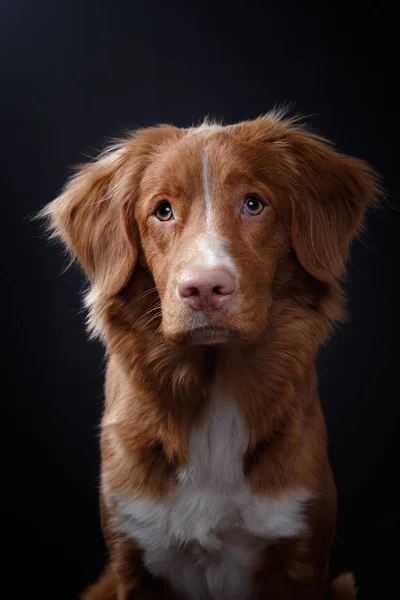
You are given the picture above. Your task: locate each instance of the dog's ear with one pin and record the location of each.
(330, 193)
(92, 218)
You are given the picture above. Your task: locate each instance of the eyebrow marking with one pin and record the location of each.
(206, 187)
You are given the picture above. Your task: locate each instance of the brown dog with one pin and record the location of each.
(214, 256)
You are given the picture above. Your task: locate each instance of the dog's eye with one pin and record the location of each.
(253, 205)
(164, 211)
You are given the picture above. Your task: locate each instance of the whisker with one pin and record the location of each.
(143, 295)
(151, 319)
(151, 310)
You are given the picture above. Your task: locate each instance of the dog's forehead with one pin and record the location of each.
(182, 165)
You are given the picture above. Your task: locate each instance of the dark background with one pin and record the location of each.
(77, 72)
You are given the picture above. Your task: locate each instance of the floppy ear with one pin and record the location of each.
(329, 198)
(91, 217)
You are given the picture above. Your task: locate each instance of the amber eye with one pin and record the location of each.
(164, 211)
(253, 205)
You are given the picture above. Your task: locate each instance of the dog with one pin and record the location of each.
(214, 256)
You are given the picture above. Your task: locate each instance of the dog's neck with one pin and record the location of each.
(269, 377)
(169, 389)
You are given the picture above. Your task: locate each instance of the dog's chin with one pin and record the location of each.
(205, 336)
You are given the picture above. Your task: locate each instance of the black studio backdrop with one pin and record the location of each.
(76, 72)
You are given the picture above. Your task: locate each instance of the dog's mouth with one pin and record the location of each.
(207, 336)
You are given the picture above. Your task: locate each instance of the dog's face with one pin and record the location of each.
(215, 214)
(211, 235)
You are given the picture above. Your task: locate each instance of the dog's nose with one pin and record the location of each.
(206, 289)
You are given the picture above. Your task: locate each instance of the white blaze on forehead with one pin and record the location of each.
(206, 186)
(211, 247)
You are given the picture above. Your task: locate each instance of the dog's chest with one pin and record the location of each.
(207, 535)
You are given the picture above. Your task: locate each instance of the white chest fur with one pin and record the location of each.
(205, 537)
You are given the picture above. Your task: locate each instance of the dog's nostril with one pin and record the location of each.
(217, 290)
(194, 292)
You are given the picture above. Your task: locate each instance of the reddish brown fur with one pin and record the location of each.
(290, 261)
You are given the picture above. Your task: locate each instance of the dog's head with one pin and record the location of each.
(217, 215)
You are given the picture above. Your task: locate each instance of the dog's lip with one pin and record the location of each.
(209, 335)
